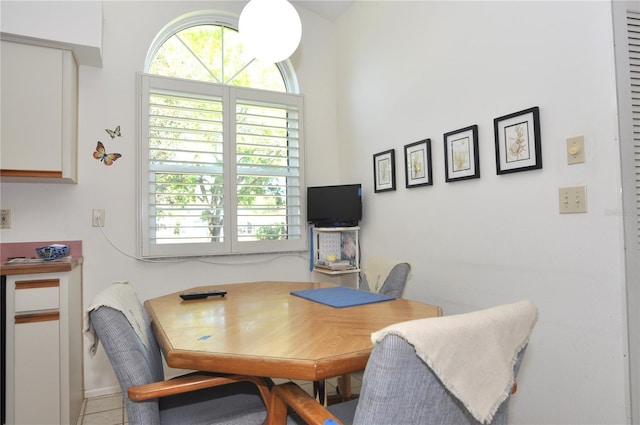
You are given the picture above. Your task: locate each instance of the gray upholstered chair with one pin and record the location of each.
(192, 399)
(399, 388)
(393, 284)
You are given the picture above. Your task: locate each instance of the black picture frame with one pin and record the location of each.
(417, 164)
(518, 144)
(461, 155)
(384, 171)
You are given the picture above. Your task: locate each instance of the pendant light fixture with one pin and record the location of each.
(270, 30)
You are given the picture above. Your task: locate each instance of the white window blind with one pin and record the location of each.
(221, 169)
(633, 26)
(268, 170)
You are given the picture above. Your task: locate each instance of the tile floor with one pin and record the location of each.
(109, 410)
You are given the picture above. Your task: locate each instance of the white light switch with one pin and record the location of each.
(575, 150)
(5, 219)
(573, 199)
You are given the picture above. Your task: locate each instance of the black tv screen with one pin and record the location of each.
(334, 206)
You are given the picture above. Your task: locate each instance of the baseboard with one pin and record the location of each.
(101, 392)
(107, 391)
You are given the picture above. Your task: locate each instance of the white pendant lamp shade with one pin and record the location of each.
(270, 30)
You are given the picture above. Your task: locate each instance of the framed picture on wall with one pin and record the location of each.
(518, 145)
(461, 156)
(417, 164)
(384, 171)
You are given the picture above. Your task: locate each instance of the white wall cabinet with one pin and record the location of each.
(336, 250)
(44, 348)
(38, 136)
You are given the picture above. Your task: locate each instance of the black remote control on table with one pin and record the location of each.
(202, 295)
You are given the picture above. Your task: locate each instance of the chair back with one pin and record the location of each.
(399, 388)
(133, 362)
(393, 284)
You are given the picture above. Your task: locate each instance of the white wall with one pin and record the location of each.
(106, 99)
(414, 70)
(78, 25)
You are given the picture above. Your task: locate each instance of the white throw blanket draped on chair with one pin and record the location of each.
(122, 297)
(473, 354)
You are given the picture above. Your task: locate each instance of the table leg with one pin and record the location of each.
(319, 391)
(345, 387)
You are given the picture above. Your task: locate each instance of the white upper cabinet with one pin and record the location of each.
(38, 140)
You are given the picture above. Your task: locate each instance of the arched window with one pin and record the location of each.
(221, 145)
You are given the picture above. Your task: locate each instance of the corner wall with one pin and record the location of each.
(414, 70)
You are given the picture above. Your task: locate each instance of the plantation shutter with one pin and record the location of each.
(184, 165)
(268, 167)
(633, 25)
(221, 169)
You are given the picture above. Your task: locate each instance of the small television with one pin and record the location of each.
(334, 206)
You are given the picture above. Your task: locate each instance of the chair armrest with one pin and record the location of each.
(308, 408)
(193, 382)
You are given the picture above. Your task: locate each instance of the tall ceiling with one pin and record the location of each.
(329, 9)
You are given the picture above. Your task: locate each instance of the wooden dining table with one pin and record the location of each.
(260, 329)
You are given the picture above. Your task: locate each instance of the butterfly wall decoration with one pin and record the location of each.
(113, 133)
(101, 155)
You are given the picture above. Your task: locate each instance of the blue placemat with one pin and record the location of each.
(341, 296)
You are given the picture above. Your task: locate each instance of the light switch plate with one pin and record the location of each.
(5, 219)
(575, 150)
(572, 199)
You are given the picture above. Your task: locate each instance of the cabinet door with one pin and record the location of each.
(31, 107)
(38, 136)
(37, 369)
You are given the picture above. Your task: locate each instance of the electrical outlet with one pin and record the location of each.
(97, 218)
(572, 199)
(5, 219)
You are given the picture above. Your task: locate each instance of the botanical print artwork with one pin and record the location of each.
(416, 164)
(461, 154)
(517, 142)
(384, 171)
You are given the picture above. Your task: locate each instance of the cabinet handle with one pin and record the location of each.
(34, 284)
(37, 317)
